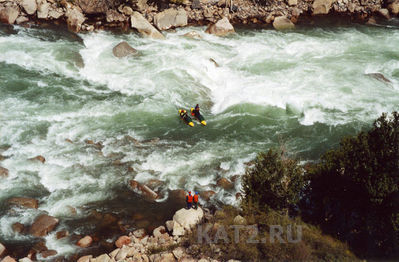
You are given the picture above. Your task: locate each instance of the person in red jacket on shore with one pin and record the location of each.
(195, 200)
(189, 200)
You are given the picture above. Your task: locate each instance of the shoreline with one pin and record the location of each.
(152, 18)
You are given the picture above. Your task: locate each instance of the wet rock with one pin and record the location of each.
(122, 240)
(3, 172)
(170, 18)
(394, 8)
(85, 242)
(113, 16)
(206, 195)
(188, 218)
(379, 77)
(62, 234)
(18, 228)
(29, 6)
(43, 225)
(8, 14)
(2, 249)
(144, 27)
(139, 233)
(39, 158)
(48, 253)
(8, 259)
(123, 49)
(239, 220)
(143, 190)
(283, 23)
(21, 20)
(75, 19)
(321, 7)
(221, 28)
(85, 258)
(225, 183)
(383, 12)
(24, 202)
(97, 145)
(193, 35)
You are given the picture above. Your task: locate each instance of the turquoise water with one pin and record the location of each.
(305, 89)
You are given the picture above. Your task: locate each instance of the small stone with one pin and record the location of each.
(122, 254)
(24, 202)
(62, 234)
(48, 253)
(102, 258)
(3, 172)
(17, 228)
(239, 220)
(193, 35)
(85, 258)
(139, 233)
(292, 2)
(159, 231)
(123, 240)
(85, 242)
(43, 225)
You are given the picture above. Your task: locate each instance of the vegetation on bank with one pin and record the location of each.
(350, 195)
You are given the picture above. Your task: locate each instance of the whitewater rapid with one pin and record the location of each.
(306, 88)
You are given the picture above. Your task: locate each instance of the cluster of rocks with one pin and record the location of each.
(140, 246)
(150, 19)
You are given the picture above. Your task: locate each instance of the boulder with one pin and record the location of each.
(167, 257)
(2, 249)
(114, 16)
(383, 12)
(188, 218)
(283, 23)
(123, 49)
(21, 19)
(239, 220)
(206, 195)
(29, 6)
(143, 190)
(55, 13)
(102, 258)
(3, 171)
(8, 259)
(170, 18)
(225, 183)
(48, 253)
(220, 28)
(39, 158)
(178, 230)
(85, 242)
(159, 231)
(122, 240)
(122, 254)
(394, 8)
(24, 202)
(75, 19)
(379, 77)
(144, 27)
(17, 228)
(43, 225)
(43, 7)
(93, 6)
(193, 35)
(85, 258)
(321, 7)
(9, 14)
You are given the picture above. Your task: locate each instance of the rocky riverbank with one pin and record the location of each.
(152, 17)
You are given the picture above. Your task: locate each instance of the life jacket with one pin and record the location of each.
(189, 198)
(195, 198)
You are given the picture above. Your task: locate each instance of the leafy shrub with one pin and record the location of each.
(353, 192)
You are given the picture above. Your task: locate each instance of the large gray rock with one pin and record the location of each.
(43, 225)
(283, 23)
(8, 14)
(144, 27)
(188, 218)
(75, 19)
(221, 28)
(29, 6)
(42, 9)
(322, 7)
(170, 18)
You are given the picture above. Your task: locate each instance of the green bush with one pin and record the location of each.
(353, 192)
(273, 182)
